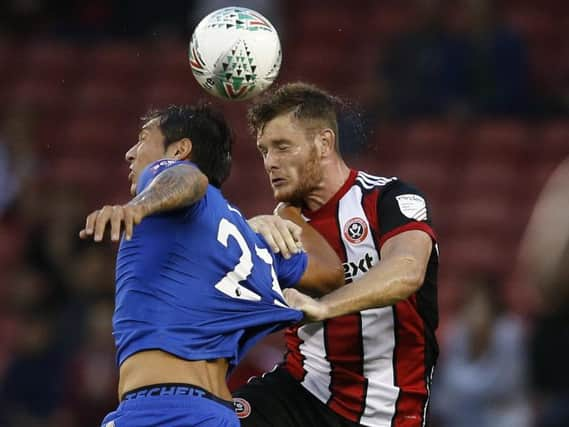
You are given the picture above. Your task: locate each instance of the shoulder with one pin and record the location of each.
(213, 203)
(154, 169)
(368, 181)
(388, 186)
(159, 166)
(401, 207)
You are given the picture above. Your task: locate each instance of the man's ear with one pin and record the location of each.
(327, 139)
(181, 149)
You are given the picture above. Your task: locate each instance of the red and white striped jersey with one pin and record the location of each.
(373, 367)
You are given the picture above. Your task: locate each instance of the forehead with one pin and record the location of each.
(285, 126)
(152, 125)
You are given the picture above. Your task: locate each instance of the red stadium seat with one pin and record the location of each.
(540, 26)
(122, 62)
(7, 50)
(11, 245)
(95, 179)
(496, 217)
(547, 68)
(482, 214)
(389, 19)
(172, 54)
(499, 178)
(450, 288)
(165, 92)
(530, 20)
(502, 141)
(167, 63)
(248, 186)
(10, 332)
(93, 138)
(434, 140)
(387, 146)
(480, 253)
(36, 93)
(553, 141)
(373, 163)
(333, 26)
(236, 113)
(100, 96)
(431, 176)
(55, 61)
(322, 64)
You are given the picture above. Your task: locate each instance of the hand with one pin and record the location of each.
(314, 310)
(281, 234)
(286, 210)
(115, 216)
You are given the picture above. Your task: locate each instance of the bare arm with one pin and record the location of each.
(400, 273)
(174, 188)
(324, 272)
(545, 247)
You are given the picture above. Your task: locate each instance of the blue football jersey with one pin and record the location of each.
(198, 282)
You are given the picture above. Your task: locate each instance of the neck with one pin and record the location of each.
(333, 177)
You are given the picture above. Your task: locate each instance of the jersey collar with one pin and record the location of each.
(329, 208)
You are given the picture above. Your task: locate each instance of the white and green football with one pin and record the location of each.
(235, 53)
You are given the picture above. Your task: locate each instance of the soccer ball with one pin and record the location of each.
(235, 53)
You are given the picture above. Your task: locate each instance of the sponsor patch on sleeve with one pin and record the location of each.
(412, 206)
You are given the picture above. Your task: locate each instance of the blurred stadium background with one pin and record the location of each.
(467, 99)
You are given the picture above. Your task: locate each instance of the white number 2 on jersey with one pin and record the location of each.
(229, 284)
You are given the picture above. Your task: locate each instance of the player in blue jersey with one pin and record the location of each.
(195, 286)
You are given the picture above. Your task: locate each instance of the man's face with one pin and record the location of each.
(291, 158)
(149, 148)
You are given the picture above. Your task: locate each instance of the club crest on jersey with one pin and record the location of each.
(355, 230)
(412, 206)
(242, 407)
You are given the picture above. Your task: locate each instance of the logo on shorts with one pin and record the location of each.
(355, 230)
(242, 407)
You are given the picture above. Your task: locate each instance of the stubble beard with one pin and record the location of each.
(310, 177)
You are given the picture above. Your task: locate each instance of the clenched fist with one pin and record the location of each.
(313, 309)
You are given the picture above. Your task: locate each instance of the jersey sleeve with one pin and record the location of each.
(402, 207)
(156, 168)
(289, 271)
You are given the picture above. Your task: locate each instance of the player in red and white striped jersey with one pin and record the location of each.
(369, 356)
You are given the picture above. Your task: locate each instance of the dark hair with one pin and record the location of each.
(306, 101)
(207, 129)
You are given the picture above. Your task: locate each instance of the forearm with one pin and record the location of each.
(312, 241)
(322, 257)
(545, 249)
(384, 285)
(174, 188)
